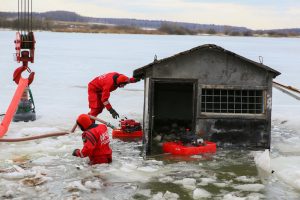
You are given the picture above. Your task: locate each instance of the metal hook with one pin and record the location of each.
(155, 58)
(18, 74)
(28, 69)
(261, 59)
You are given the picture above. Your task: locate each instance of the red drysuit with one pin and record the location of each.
(99, 91)
(96, 145)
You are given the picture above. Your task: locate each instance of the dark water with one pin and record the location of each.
(218, 174)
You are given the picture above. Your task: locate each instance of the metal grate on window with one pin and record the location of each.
(232, 101)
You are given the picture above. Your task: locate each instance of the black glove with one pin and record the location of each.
(137, 79)
(114, 113)
(76, 152)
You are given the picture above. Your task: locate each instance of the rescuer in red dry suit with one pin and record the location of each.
(99, 91)
(95, 141)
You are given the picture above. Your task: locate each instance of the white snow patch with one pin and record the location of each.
(290, 145)
(233, 197)
(45, 160)
(188, 183)
(287, 169)
(154, 162)
(262, 161)
(158, 196)
(157, 138)
(9, 194)
(167, 196)
(170, 196)
(250, 187)
(77, 185)
(200, 193)
(18, 175)
(166, 179)
(246, 179)
(93, 184)
(206, 181)
(145, 192)
(128, 167)
(252, 196)
(255, 196)
(147, 169)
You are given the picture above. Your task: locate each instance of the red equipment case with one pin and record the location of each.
(129, 128)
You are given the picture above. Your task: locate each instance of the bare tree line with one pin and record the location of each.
(165, 28)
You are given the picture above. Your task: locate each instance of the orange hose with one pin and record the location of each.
(49, 134)
(102, 121)
(33, 137)
(13, 106)
(74, 128)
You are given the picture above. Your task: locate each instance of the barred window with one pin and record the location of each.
(232, 101)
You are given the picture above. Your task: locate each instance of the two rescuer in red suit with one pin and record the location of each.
(99, 91)
(95, 137)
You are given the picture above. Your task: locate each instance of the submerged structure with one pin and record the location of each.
(215, 93)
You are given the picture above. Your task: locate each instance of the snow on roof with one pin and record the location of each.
(140, 71)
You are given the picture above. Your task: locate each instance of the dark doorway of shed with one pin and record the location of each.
(173, 111)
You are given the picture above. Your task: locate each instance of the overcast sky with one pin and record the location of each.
(255, 14)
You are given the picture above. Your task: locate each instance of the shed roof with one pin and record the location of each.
(140, 71)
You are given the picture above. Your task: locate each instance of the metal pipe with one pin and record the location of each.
(287, 87)
(102, 121)
(284, 90)
(31, 16)
(24, 17)
(18, 15)
(28, 16)
(21, 13)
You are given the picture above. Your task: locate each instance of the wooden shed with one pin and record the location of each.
(216, 93)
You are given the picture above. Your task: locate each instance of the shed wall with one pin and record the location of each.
(212, 68)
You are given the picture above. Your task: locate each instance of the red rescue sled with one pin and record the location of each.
(177, 148)
(119, 133)
(128, 129)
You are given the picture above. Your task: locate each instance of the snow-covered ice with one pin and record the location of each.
(66, 62)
